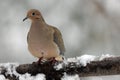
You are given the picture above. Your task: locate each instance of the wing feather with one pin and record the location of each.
(58, 40)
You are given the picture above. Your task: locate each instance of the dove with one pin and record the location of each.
(44, 41)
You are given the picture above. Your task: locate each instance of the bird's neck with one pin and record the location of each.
(38, 23)
(38, 26)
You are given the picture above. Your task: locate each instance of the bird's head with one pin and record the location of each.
(33, 14)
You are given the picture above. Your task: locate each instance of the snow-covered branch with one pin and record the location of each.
(83, 66)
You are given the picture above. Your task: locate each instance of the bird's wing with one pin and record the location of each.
(58, 40)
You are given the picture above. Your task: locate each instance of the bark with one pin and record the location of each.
(108, 66)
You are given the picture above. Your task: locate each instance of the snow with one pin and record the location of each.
(86, 59)
(2, 77)
(10, 67)
(70, 77)
(59, 66)
(82, 60)
(29, 77)
(105, 56)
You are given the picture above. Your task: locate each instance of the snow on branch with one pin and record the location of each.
(86, 65)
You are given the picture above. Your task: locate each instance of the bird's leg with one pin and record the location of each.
(40, 60)
(53, 60)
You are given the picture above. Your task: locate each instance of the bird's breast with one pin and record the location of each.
(40, 43)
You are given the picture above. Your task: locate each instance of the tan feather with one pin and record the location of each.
(58, 40)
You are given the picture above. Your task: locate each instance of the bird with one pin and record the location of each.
(44, 41)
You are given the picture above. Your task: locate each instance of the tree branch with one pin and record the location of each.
(107, 66)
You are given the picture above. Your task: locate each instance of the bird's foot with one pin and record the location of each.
(40, 60)
(53, 60)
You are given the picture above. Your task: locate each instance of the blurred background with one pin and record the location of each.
(88, 27)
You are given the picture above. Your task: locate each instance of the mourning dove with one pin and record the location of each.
(44, 41)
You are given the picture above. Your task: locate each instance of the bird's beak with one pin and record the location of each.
(25, 18)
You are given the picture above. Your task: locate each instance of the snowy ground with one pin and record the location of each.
(80, 60)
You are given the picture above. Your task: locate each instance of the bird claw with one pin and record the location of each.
(40, 60)
(53, 60)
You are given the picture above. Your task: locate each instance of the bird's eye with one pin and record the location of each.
(33, 14)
